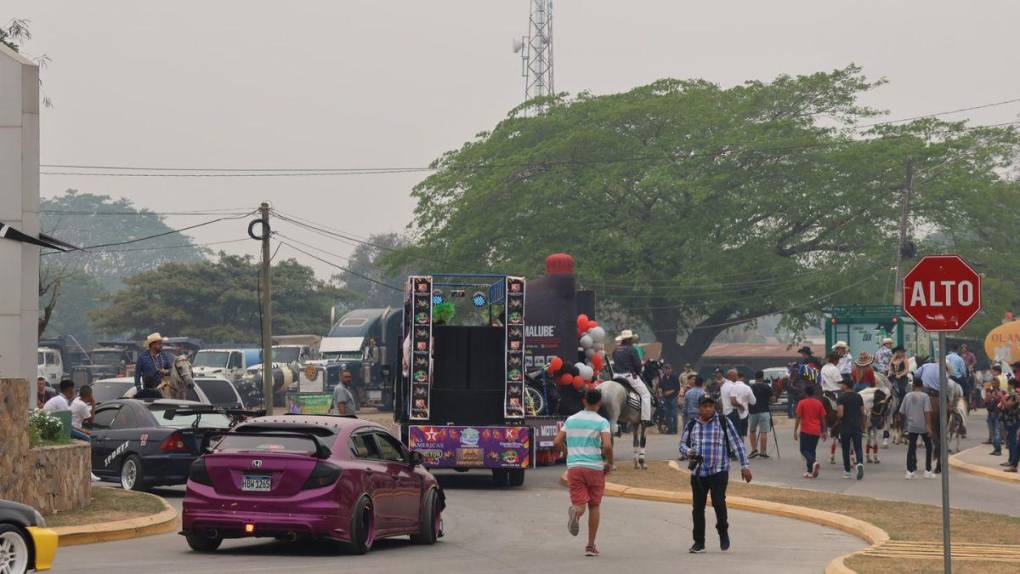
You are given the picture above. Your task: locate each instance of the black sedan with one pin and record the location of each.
(151, 443)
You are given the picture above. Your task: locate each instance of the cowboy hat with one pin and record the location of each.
(153, 338)
(624, 335)
(840, 345)
(887, 341)
(864, 359)
(805, 350)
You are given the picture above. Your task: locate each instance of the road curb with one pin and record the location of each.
(160, 523)
(982, 471)
(866, 531)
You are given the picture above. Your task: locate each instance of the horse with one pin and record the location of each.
(618, 408)
(877, 401)
(181, 380)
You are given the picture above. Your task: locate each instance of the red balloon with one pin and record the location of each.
(578, 383)
(591, 325)
(596, 362)
(566, 379)
(555, 365)
(582, 322)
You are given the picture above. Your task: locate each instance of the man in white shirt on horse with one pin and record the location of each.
(627, 364)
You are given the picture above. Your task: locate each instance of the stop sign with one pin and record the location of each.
(942, 293)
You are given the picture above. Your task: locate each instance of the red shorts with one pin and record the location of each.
(586, 486)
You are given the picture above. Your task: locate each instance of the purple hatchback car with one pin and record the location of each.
(311, 477)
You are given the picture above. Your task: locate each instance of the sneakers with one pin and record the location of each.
(860, 471)
(808, 475)
(697, 548)
(724, 542)
(572, 525)
(815, 468)
(996, 452)
(847, 475)
(910, 475)
(929, 474)
(591, 551)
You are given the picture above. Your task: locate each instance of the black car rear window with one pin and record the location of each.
(219, 392)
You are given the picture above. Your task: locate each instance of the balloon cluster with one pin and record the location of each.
(592, 340)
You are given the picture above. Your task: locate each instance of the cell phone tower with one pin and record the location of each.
(536, 50)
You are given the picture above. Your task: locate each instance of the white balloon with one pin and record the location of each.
(587, 341)
(600, 346)
(599, 334)
(588, 373)
(589, 353)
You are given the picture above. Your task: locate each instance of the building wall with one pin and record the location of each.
(19, 208)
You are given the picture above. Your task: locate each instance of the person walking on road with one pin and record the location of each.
(343, 402)
(1009, 414)
(852, 418)
(993, 396)
(811, 426)
(707, 442)
(587, 443)
(759, 421)
(917, 421)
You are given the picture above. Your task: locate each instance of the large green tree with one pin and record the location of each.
(72, 284)
(217, 301)
(695, 208)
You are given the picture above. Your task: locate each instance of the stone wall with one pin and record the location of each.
(50, 479)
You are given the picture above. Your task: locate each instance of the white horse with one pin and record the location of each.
(617, 408)
(181, 379)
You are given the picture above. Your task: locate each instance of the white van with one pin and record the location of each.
(50, 365)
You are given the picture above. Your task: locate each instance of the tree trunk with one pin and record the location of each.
(664, 322)
(47, 311)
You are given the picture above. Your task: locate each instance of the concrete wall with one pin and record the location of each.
(50, 479)
(19, 208)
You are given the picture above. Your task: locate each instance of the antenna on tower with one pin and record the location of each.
(536, 50)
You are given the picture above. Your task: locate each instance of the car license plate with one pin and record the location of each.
(375, 395)
(256, 483)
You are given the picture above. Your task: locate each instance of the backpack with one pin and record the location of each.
(723, 421)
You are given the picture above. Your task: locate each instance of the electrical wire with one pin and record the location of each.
(170, 232)
(342, 268)
(156, 248)
(329, 232)
(146, 213)
(945, 113)
(148, 171)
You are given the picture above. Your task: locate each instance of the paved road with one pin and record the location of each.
(884, 480)
(490, 530)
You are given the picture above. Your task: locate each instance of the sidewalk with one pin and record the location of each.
(977, 461)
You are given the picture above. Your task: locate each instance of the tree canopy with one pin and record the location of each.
(217, 301)
(695, 207)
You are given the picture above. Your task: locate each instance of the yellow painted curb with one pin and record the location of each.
(160, 523)
(982, 471)
(859, 528)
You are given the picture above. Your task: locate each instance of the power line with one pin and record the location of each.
(156, 248)
(146, 213)
(165, 233)
(149, 171)
(331, 232)
(342, 268)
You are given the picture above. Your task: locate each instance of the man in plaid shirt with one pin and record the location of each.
(708, 449)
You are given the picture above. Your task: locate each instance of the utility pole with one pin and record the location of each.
(904, 219)
(267, 314)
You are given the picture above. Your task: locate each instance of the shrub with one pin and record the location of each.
(44, 426)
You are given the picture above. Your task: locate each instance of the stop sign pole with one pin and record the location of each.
(942, 293)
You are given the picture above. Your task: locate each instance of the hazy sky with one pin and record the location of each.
(375, 83)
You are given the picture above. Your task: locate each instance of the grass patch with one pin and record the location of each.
(902, 520)
(108, 504)
(868, 564)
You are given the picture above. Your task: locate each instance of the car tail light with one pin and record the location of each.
(199, 473)
(324, 474)
(174, 443)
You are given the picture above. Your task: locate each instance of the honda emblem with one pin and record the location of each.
(256, 463)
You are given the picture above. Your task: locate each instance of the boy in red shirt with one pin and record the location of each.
(810, 426)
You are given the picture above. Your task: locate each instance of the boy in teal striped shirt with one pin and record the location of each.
(589, 448)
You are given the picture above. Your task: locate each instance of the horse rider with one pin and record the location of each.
(627, 364)
(152, 365)
(846, 361)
